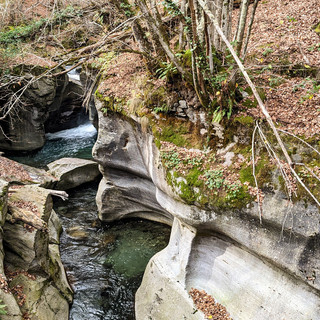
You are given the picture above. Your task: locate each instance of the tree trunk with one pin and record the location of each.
(218, 11)
(242, 24)
(196, 52)
(254, 8)
(181, 33)
(231, 2)
(153, 25)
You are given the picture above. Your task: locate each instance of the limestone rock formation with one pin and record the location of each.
(72, 172)
(26, 131)
(257, 271)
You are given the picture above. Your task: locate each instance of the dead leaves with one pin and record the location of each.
(206, 303)
(11, 170)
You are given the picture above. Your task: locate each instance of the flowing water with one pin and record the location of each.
(104, 263)
(76, 143)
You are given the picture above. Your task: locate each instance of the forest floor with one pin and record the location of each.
(284, 35)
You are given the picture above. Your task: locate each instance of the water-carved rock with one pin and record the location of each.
(247, 266)
(72, 172)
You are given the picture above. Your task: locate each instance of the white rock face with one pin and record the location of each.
(249, 286)
(256, 271)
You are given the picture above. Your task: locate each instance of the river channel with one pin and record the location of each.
(104, 262)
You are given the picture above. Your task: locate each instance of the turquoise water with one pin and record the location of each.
(104, 263)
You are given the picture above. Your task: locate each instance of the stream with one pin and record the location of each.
(104, 262)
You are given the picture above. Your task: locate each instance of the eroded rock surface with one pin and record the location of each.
(258, 271)
(47, 105)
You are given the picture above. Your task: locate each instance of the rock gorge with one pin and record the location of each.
(257, 271)
(33, 282)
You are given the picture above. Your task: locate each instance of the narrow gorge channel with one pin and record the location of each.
(104, 262)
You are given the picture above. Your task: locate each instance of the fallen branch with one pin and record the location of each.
(61, 194)
(257, 96)
(254, 173)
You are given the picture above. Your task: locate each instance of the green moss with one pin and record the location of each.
(317, 28)
(111, 104)
(263, 171)
(174, 135)
(193, 177)
(155, 98)
(186, 59)
(244, 120)
(179, 132)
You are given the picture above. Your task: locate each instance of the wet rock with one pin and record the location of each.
(77, 233)
(42, 300)
(72, 172)
(55, 228)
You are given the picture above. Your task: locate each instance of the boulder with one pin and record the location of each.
(73, 172)
(42, 300)
(12, 308)
(14, 172)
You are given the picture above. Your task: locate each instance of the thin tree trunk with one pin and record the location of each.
(230, 20)
(224, 21)
(208, 42)
(197, 75)
(238, 24)
(254, 8)
(252, 86)
(242, 24)
(181, 33)
(153, 25)
(217, 42)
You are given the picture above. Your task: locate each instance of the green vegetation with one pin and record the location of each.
(23, 32)
(2, 308)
